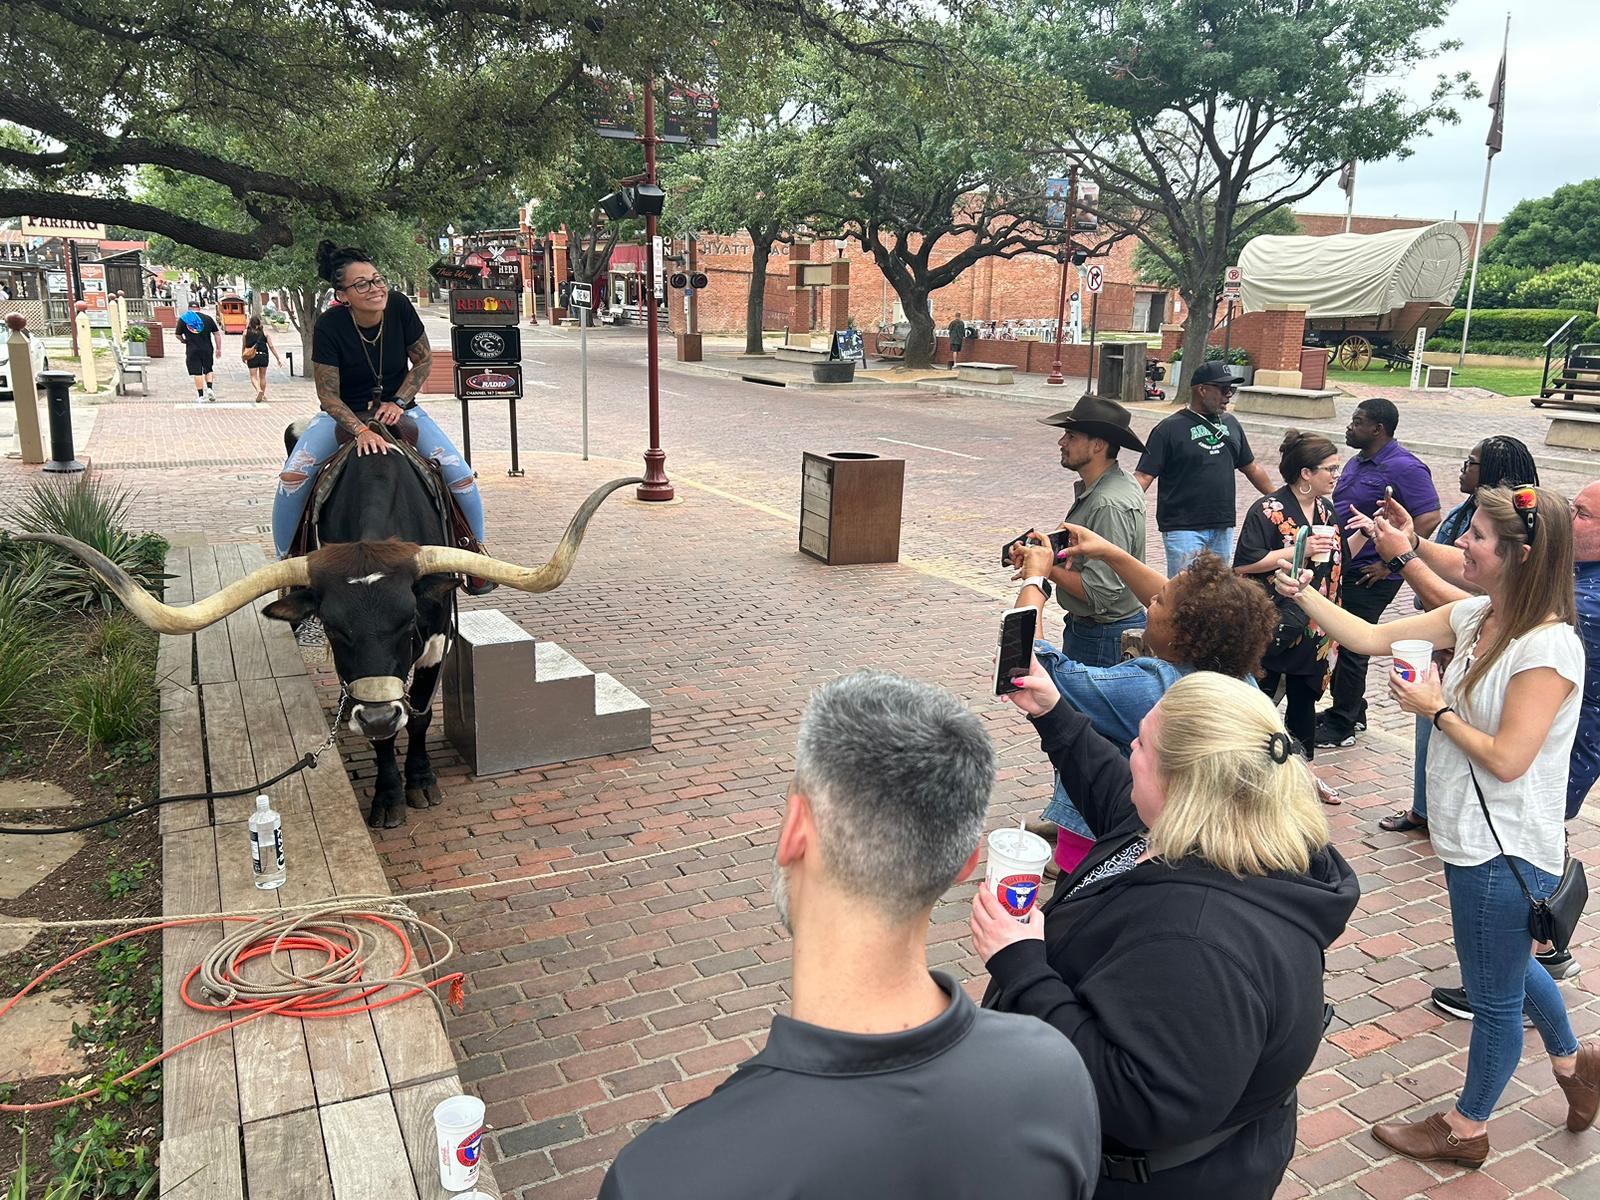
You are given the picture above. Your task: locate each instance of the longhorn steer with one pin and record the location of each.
(381, 587)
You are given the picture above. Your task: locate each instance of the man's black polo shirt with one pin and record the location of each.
(973, 1104)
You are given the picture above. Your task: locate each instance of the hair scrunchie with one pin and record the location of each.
(1279, 747)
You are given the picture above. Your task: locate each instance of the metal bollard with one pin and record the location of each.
(289, 356)
(58, 385)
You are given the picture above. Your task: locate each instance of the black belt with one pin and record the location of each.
(1137, 1166)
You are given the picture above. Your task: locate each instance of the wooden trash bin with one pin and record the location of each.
(850, 507)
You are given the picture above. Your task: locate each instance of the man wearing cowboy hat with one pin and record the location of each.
(1106, 499)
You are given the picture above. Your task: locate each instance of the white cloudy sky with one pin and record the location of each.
(1552, 127)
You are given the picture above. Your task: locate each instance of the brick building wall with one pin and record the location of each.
(1271, 338)
(1322, 224)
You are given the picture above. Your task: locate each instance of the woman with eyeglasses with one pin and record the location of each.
(1298, 654)
(370, 357)
(1504, 717)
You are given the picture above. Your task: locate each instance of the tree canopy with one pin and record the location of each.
(1202, 118)
(1154, 268)
(330, 110)
(1563, 227)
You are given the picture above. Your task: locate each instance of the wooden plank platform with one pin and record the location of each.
(336, 1108)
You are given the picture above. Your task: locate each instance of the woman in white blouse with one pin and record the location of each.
(1507, 708)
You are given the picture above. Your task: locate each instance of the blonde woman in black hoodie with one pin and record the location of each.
(1183, 956)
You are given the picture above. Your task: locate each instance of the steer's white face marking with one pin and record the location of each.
(373, 578)
(432, 651)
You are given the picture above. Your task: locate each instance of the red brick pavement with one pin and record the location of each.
(625, 958)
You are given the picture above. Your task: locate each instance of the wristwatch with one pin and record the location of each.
(1397, 564)
(1040, 582)
(408, 405)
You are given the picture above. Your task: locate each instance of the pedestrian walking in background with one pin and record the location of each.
(257, 344)
(1297, 659)
(1194, 454)
(202, 342)
(958, 338)
(1380, 465)
(1505, 716)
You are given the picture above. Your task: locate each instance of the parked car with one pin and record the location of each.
(41, 362)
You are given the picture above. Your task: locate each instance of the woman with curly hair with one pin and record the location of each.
(1297, 659)
(1205, 618)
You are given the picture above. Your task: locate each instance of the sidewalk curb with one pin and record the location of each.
(774, 379)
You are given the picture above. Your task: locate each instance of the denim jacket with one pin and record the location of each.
(1115, 699)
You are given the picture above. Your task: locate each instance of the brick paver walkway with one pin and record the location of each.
(626, 958)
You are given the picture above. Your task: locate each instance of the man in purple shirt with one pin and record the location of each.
(1369, 585)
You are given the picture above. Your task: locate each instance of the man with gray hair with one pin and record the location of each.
(886, 1082)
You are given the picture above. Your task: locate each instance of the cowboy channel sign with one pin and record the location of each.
(486, 347)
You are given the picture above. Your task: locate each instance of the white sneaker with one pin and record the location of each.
(211, 396)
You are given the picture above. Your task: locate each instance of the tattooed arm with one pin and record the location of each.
(421, 356)
(327, 380)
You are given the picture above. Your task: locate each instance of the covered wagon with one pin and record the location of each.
(1368, 293)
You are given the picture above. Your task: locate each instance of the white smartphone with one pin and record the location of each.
(1014, 656)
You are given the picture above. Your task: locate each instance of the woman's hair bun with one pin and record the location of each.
(332, 259)
(1290, 437)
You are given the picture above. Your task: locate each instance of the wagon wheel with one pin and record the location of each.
(1354, 353)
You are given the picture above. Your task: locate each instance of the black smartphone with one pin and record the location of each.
(1058, 543)
(1015, 653)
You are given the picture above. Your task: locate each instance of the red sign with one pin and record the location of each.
(484, 306)
(93, 276)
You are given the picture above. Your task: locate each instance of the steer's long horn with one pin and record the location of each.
(166, 618)
(439, 560)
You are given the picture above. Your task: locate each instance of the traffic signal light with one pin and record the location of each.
(678, 279)
(697, 280)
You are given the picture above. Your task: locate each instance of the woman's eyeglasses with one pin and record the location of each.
(1471, 462)
(366, 286)
(1526, 503)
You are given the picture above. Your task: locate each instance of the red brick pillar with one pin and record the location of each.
(799, 294)
(1277, 352)
(838, 303)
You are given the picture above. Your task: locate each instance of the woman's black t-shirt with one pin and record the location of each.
(337, 344)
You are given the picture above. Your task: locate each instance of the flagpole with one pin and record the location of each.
(1350, 192)
(1483, 203)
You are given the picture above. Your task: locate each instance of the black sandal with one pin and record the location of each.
(1402, 822)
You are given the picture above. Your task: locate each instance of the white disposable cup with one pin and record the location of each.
(1412, 658)
(1324, 531)
(458, 1123)
(1017, 860)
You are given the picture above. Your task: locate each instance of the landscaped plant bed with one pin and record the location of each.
(79, 710)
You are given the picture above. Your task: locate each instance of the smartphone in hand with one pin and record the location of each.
(1058, 543)
(1300, 540)
(1014, 655)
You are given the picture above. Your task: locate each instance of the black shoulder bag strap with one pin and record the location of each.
(1554, 919)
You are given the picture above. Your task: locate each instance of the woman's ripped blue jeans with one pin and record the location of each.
(319, 442)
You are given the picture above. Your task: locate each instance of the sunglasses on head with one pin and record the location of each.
(1526, 503)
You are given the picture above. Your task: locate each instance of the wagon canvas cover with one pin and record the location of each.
(1355, 274)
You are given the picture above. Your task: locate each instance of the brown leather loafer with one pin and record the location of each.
(1582, 1089)
(1432, 1141)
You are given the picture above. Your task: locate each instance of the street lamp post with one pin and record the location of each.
(1055, 375)
(656, 485)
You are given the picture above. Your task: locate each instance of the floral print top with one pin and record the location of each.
(1301, 646)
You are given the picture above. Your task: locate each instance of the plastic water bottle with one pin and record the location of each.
(266, 845)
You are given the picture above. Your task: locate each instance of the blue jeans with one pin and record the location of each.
(1096, 645)
(316, 446)
(1490, 918)
(1183, 544)
(1419, 768)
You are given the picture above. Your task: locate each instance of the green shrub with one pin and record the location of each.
(1509, 324)
(138, 333)
(1510, 349)
(1496, 286)
(114, 701)
(1573, 286)
(94, 513)
(1591, 334)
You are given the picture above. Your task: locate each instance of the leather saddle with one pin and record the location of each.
(403, 439)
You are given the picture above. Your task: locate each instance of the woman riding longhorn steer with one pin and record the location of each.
(369, 357)
(383, 599)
